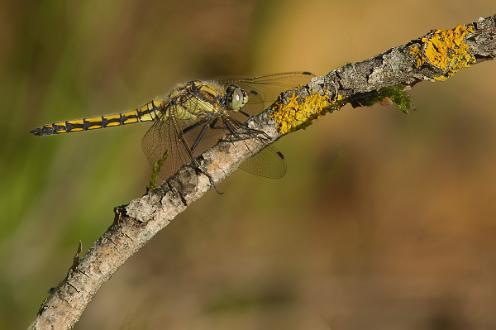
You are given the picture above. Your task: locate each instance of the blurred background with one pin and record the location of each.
(383, 221)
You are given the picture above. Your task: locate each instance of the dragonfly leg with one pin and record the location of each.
(194, 161)
(213, 124)
(234, 132)
(195, 125)
(200, 136)
(244, 113)
(240, 131)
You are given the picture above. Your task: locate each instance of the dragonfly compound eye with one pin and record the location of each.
(236, 97)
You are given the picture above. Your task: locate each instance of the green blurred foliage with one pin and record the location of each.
(383, 221)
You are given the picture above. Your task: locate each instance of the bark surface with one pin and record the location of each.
(435, 56)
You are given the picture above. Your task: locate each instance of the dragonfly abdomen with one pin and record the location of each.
(148, 112)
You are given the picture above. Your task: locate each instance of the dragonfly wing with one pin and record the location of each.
(263, 90)
(268, 163)
(164, 145)
(282, 80)
(171, 143)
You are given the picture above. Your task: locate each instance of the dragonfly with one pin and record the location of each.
(192, 116)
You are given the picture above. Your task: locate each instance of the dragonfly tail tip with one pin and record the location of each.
(36, 131)
(41, 131)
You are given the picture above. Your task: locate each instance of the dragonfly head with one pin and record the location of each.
(236, 97)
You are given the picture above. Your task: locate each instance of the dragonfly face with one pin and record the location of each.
(236, 97)
(216, 97)
(192, 117)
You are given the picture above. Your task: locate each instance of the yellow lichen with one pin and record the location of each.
(297, 112)
(446, 50)
(417, 54)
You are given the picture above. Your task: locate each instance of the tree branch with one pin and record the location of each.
(435, 56)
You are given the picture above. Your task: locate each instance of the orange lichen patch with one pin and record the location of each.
(417, 54)
(446, 50)
(298, 112)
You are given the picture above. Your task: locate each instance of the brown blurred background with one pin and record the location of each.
(384, 221)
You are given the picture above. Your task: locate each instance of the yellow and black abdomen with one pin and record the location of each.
(148, 112)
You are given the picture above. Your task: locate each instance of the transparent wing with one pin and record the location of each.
(280, 79)
(165, 146)
(263, 90)
(172, 142)
(267, 163)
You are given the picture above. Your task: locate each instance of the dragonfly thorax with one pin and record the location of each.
(236, 97)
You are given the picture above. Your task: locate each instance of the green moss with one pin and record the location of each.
(396, 94)
(156, 168)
